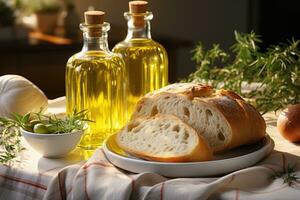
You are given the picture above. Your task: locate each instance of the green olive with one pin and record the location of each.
(28, 127)
(51, 128)
(40, 128)
(34, 122)
(75, 130)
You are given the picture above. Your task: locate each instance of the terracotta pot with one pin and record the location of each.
(47, 22)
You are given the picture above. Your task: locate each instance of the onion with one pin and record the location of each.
(288, 123)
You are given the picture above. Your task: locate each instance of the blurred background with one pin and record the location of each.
(38, 36)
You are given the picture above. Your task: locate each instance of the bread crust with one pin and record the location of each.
(246, 124)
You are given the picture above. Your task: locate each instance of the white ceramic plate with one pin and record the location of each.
(230, 161)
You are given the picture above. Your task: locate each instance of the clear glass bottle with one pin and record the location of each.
(146, 60)
(96, 80)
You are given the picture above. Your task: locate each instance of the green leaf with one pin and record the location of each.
(25, 118)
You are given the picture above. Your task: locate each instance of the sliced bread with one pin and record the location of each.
(163, 138)
(222, 117)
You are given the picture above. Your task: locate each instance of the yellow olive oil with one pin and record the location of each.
(146, 66)
(95, 80)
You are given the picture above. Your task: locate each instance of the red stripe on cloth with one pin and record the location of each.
(283, 161)
(27, 182)
(69, 191)
(237, 194)
(270, 168)
(61, 181)
(85, 184)
(162, 191)
(132, 183)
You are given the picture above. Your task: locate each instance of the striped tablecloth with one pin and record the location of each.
(35, 177)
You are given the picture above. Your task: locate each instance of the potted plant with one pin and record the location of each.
(47, 13)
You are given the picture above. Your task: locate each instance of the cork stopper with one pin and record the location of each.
(94, 18)
(137, 8)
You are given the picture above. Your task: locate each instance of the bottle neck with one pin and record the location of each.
(139, 32)
(138, 25)
(94, 43)
(95, 37)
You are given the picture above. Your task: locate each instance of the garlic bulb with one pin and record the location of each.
(19, 95)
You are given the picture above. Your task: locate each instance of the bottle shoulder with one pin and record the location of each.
(96, 57)
(143, 44)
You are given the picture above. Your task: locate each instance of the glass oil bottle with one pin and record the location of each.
(146, 60)
(96, 80)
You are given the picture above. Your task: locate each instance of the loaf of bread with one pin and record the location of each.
(222, 117)
(163, 138)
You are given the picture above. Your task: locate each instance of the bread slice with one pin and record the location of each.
(163, 138)
(222, 117)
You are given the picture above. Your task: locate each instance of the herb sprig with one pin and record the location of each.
(76, 121)
(275, 73)
(288, 175)
(10, 143)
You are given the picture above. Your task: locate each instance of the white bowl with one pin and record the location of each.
(53, 145)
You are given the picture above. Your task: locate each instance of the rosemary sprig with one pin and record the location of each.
(276, 72)
(73, 122)
(287, 175)
(10, 143)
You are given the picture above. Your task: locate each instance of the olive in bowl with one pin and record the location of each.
(52, 136)
(52, 145)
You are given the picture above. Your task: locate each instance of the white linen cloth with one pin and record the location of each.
(99, 179)
(36, 177)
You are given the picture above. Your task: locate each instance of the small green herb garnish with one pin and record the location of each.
(10, 143)
(275, 73)
(39, 123)
(287, 175)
